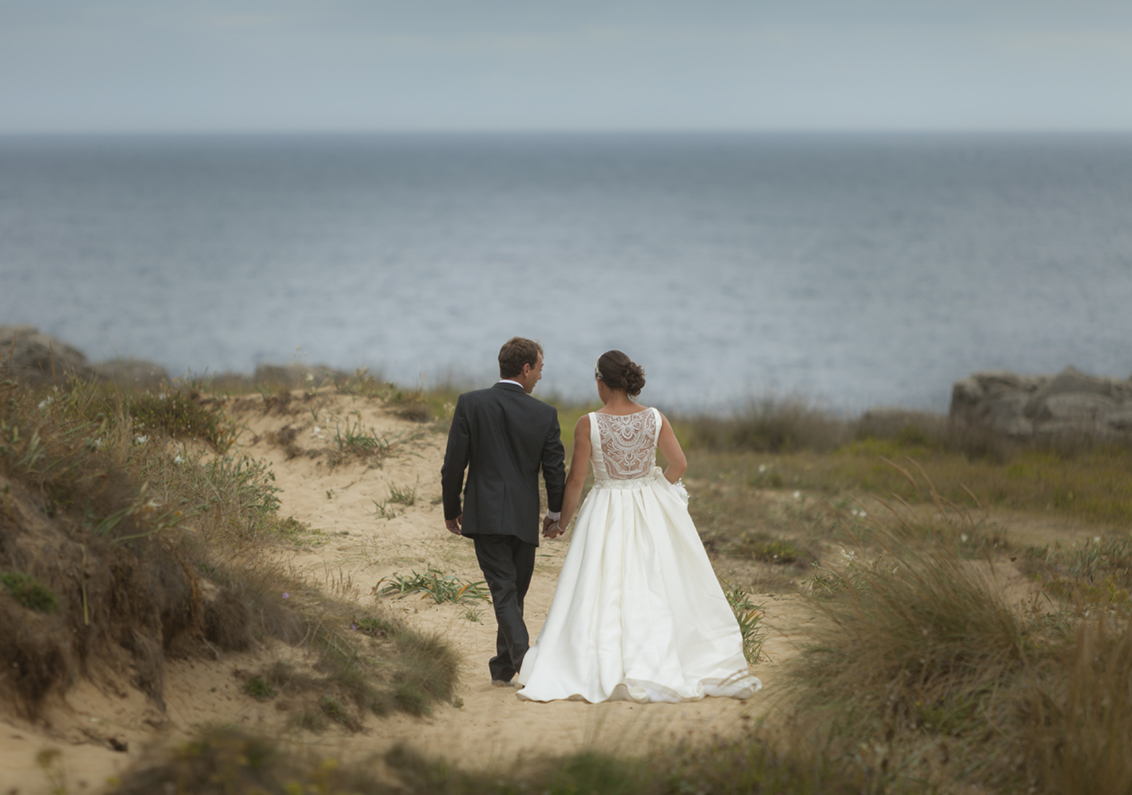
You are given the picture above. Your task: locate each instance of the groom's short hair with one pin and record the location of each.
(516, 352)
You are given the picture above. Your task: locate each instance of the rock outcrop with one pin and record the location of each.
(38, 358)
(1028, 406)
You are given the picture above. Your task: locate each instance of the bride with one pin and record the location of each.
(638, 613)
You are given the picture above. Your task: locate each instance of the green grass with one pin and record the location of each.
(398, 495)
(405, 495)
(779, 551)
(28, 592)
(224, 498)
(181, 414)
(1095, 486)
(260, 689)
(433, 583)
(357, 441)
(750, 616)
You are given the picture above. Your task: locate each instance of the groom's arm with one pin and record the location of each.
(455, 462)
(554, 467)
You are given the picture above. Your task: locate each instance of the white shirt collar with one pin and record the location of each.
(509, 381)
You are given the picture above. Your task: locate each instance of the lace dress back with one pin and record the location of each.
(624, 447)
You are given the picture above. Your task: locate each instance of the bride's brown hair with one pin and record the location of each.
(618, 371)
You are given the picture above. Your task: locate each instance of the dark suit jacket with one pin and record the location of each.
(502, 436)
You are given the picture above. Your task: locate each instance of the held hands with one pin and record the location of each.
(551, 528)
(453, 525)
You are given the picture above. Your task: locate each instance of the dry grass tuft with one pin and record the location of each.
(228, 761)
(125, 547)
(768, 425)
(1078, 716)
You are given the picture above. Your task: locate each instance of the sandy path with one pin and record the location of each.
(356, 548)
(492, 726)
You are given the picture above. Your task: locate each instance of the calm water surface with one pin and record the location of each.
(859, 270)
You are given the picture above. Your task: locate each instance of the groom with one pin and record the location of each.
(502, 436)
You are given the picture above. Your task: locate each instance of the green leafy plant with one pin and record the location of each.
(355, 440)
(227, 496)
(750, 616)
(26, 590)
(384, 510)
(768, 549)
(403, 496)
(434, 583)
(181, 414)
(260, 689)
(336, 711)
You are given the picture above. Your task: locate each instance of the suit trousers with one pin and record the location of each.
(507, 564)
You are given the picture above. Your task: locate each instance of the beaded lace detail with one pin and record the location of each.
(628, 443)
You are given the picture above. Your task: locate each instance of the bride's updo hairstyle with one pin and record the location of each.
(618, 371)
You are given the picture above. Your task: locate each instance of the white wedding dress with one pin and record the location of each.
(638, 613)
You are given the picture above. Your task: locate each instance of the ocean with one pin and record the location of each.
(854, 270)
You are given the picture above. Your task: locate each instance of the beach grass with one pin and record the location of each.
(918, 673)
(154, 508)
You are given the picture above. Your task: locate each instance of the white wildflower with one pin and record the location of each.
(47, 401)
(178, 459)
(797, 495)
(141, 439)
(1096, 539)
(96, 444)
(316, 431)
(762, 467)
(963, 537)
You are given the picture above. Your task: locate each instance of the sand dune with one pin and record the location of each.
(103, 724)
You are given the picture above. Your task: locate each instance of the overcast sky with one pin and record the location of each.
(359, 65)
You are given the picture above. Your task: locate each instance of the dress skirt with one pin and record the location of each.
(638, 613)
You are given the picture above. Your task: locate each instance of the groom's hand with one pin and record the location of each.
(453, 525)
(551, 528)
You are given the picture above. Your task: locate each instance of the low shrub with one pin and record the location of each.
(750, 616)
(181, 414)
(768, 425)
(918, 645)
(27, 592)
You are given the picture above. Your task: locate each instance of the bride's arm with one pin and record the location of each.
(579, 466)
(673, 454)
